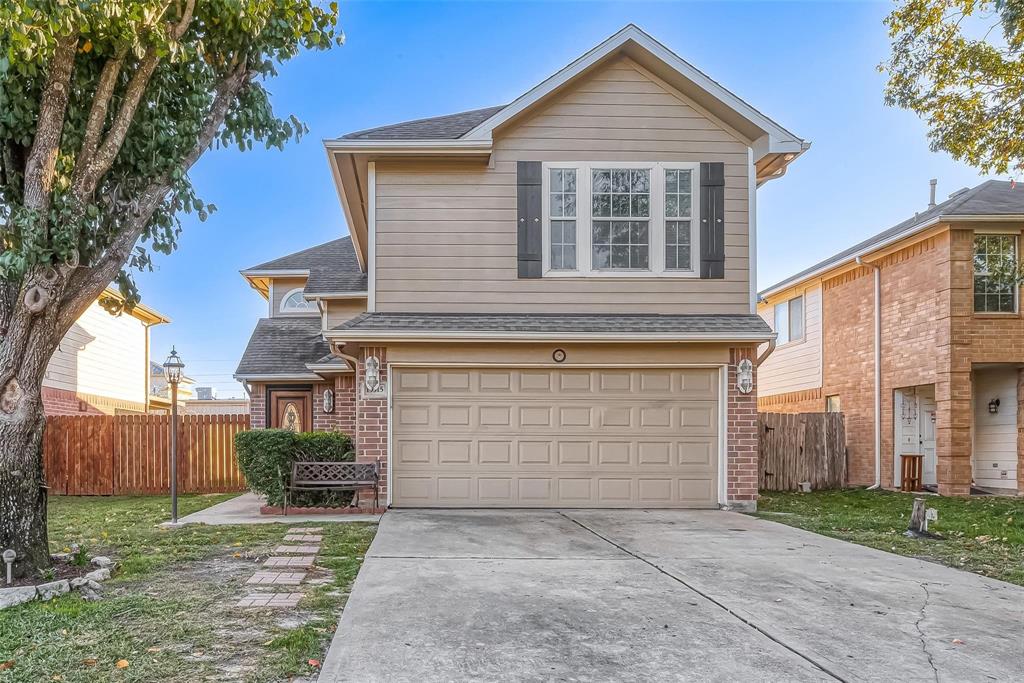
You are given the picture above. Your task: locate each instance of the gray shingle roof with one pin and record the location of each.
(448, 127)
(557, 323)
(991, 198)
(283, 346)
(332, 267)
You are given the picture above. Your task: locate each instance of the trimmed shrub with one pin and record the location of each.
(265, 457)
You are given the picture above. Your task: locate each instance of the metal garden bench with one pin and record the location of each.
(334, 476)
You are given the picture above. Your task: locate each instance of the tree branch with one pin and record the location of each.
(98, 112)
(87, 283)
(42, 160)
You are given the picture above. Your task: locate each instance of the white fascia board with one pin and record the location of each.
(903, 234)
(778, 136)
(405, 147)
(289, 272)
(335, 295)
(313, 367)
(278, 377)
(332, 161)
(526, 337)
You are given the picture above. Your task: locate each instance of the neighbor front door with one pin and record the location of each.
(291, 409)
(926, 427)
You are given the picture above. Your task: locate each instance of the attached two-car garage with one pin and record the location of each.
(555, 437)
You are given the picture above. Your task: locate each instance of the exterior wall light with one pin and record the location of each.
(993, 406)
(745, 376)
(328, 401)
(371, 376)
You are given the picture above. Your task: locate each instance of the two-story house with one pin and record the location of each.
(546, 303)
(909, 334)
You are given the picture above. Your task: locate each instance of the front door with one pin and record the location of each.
(291, 409)
(926, 427)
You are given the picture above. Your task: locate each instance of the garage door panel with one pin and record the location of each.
(555, 437)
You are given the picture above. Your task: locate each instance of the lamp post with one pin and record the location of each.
(172, 371)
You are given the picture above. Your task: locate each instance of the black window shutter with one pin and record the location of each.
(528, 222)
(712, 220)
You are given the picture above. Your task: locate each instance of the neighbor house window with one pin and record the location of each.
(562, 195)
(293, 302)
(995, 254)
(832, 404)
(620, 219)
(789, 320)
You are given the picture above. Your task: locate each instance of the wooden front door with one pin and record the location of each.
(291, 409)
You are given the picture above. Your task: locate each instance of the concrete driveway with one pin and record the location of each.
(644, 595)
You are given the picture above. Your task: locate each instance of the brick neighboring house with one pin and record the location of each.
(544, 304)
(952, 345)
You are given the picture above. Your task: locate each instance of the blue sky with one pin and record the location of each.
(810, 66)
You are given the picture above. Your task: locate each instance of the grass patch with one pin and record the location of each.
(984, 534)
(168, 612)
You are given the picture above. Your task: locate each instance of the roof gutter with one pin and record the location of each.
(527, 337)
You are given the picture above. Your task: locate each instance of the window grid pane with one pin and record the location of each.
(677, 245)
(620, 193)
(990, 294)
(782, 322)
(562, 203)
(796, 318)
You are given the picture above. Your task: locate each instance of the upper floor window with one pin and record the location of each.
(293, 302)
(620, 219)
(995, 256)
(789, 320)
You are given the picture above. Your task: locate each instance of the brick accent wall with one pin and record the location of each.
(741, 438)
(66, 402)
(372, 419)
(805, 401)
(258, 406)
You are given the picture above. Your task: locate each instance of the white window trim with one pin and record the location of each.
(656, 221)
(789, 320)
(304, 311)
(974, 272)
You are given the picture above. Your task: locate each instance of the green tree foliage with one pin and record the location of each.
(959, 64)
(150, 84)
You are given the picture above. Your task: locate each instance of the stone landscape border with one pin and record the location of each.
(89, 585)
(292, 510)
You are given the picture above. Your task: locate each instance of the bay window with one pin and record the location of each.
(620, 219)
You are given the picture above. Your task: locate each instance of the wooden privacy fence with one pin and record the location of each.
(129, 454)
(801, 447)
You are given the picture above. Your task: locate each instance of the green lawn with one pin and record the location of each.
(168, 611)
(984, 534)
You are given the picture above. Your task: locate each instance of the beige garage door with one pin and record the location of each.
(504, 437)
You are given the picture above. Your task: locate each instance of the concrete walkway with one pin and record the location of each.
(643, 595)
(245, 509)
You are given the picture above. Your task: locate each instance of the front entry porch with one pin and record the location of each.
(975, 448)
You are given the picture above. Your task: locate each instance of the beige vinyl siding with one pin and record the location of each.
(446, 231)
(280, 288)
(797, 365)
(103, 355)
(340, 310)
(995, 435)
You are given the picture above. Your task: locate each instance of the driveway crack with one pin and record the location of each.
(806, 657)
(920, 631)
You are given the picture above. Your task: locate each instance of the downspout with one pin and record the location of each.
(767, 352)
(878, 371)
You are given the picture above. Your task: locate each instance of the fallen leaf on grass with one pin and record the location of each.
(9, 664)
(58, 677)
(153, 649)
(89, 661)
(315, 663)
(122, 664)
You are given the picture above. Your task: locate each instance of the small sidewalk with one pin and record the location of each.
(245, 509)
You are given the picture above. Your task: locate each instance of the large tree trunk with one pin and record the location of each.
(22, 485)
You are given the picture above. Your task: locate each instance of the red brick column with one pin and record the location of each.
(372, 421)
(741, 437)
(258, 406)
(345, 404)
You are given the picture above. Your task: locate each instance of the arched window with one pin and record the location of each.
(294, 303)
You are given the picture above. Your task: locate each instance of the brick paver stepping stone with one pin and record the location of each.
(270, 600)
(301, 561)
(300, 549)
(304, 538)
(276, 578)
(305, 529)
